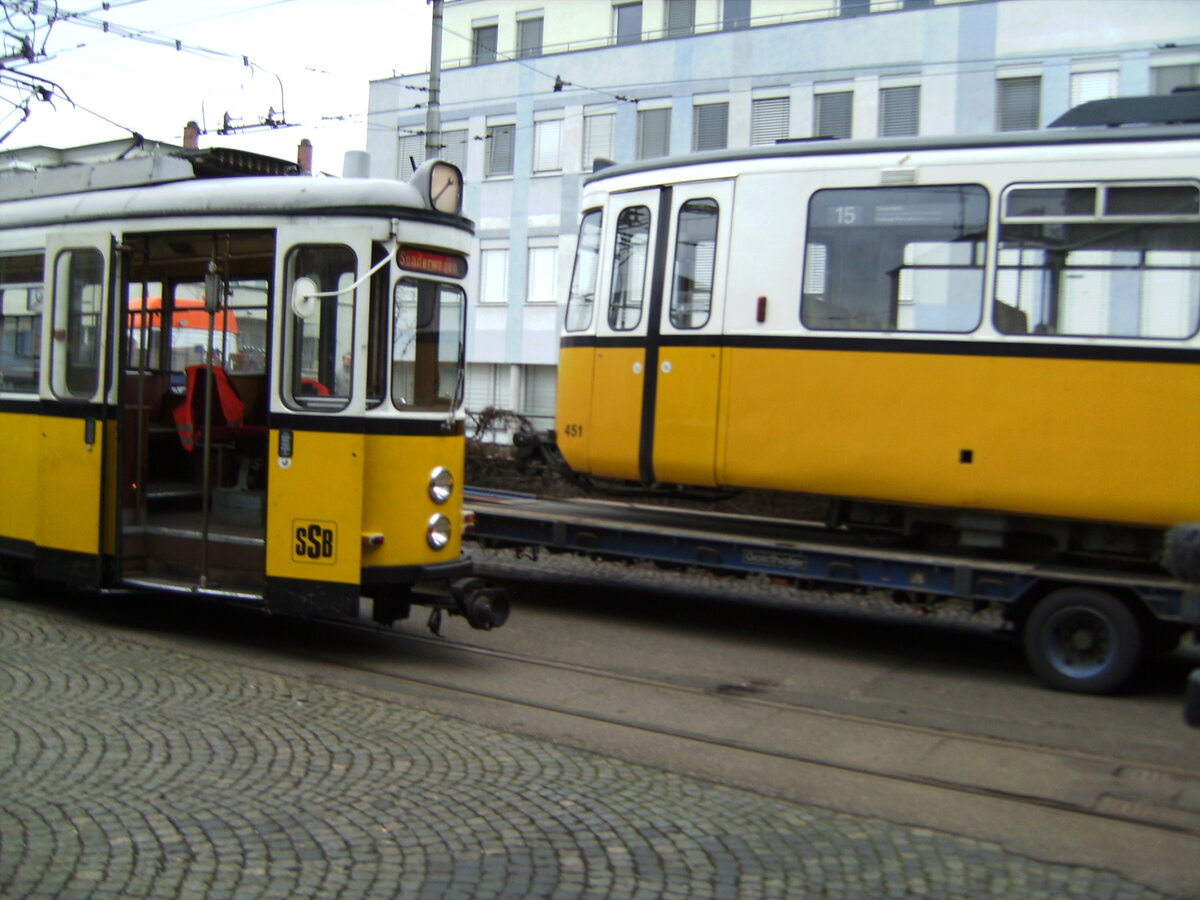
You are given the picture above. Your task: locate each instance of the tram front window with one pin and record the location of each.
(427, 344)
(322, 327)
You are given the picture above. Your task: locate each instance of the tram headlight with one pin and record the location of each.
(438, 532)
(441, 485)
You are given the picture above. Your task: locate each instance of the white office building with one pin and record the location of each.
(534, 91)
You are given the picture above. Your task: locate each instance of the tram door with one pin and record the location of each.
(686, 382)
(75, 429)
(627, 292)
(193, 408)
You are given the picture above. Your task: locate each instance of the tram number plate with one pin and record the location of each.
(314, 542)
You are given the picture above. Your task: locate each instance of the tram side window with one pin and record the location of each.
(1100, 261)
(695, 263)
(321, 329)
(20, 322)
(427, 344)
(629, 268)
(582, 299)
(79, 299)
(895, 259)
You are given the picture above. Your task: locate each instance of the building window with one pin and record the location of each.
(541, 284)
(681, 18)
(493, 276)
(1088, 86)
(628, 23)
(484, 39)
(538, 392)
(500, 149)
(453, 147)
(769, 118)
(487, 386)
(735, 15)
(917, 4)
(529, 38)
(832, 115)
(412, 154)
(1018, 103)
(899, 111)
(654, 133)
(854, 7)
(710, 126)
(1168, 78)
(598, 138)
(547, 146)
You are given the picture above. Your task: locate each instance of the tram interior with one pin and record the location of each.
(193, 466)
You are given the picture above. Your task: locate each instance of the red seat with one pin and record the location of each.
(227, 409)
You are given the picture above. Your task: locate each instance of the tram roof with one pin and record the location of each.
(240, 196)
(825, 147)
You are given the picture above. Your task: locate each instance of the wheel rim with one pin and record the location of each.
(1079, 642)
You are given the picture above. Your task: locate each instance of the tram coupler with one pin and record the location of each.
(484, 606)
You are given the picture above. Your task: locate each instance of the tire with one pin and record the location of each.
(1083, 640)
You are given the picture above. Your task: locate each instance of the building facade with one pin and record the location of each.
(533, 92)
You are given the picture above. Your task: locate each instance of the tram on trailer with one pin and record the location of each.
(991, 340)
(247, 388)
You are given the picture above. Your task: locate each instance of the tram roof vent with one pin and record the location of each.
(1183, 105)
(905, 175)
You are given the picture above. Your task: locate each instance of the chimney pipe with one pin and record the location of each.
(304, 155)
(191, 136)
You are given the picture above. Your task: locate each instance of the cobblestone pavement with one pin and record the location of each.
(134, 771)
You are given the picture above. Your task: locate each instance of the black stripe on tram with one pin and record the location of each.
(654, 338)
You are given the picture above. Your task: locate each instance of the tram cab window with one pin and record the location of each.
(695, 262)
(629, 268)
(895, 259)
(582, 299)
(1100, 260)
(321, 328)
(427, 344)
(21, 297)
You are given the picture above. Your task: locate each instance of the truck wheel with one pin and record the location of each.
(1083, 640)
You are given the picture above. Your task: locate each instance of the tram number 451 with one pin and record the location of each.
(315, 542)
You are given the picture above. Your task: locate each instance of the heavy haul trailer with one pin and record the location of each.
(1083, 630)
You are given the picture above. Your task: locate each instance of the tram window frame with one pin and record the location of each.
(631, 247)
(917, 250)
(22, 296)
(1126, 265)
(585, 274)
(78, 309)
(427, 329)
(315, 353)
(691, 304)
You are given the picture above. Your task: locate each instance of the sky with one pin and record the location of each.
(311, 60)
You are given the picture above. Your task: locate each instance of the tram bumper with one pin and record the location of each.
(450, 588)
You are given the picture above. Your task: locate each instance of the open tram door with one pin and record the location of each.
(76, 392)
(192, 426)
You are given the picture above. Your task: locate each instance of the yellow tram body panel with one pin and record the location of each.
(396, 501)
(21, 509)
(314, 506)
(69, 484)
(615, 426)
(573, 412)
(685, 417)
(1088, 439)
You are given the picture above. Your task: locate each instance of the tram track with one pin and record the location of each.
(1103, 787)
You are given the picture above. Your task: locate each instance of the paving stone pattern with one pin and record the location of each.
(134, 771)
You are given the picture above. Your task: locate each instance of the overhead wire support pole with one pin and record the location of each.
(433, 124)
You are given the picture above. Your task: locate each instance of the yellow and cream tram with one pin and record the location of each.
(990, 340)
(246, 388)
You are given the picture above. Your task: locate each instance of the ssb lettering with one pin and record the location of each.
(314, 542)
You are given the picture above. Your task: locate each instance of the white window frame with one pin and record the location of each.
(547, 145)
(541, 274)
(493, 276)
